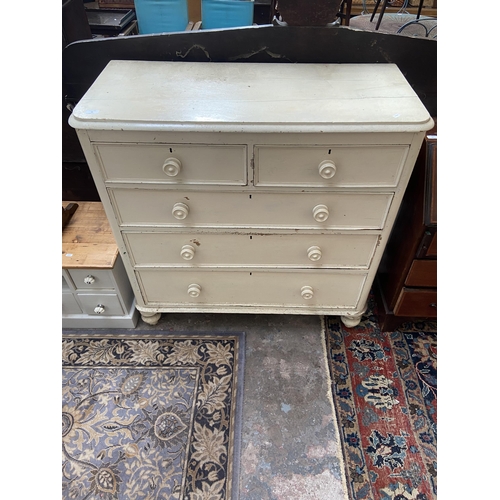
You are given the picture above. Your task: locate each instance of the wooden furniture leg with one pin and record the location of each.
(353, 320)
(150, 318)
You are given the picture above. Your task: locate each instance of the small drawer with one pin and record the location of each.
(241, 250)
(70, 305)
(149, 207)
(346, 166)
(93, 279)
(416, 303)
(174, 163)
(245, 288)
(101, 305)
(422, 273)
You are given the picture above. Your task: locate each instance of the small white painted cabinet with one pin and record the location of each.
(96, 291)
(258, 188)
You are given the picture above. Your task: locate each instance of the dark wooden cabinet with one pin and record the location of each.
(406, 284)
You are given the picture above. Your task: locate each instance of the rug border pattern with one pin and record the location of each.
(236, 405)
(350, 418)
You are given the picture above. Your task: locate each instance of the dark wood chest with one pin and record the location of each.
(406, 282)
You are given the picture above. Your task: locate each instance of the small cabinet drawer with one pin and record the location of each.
(349, 166)
(101, 305)
(422, 273)
(240, 250)
(416, 303)
(174, 163)
(245, 288)
(149, 207)
(93, 279)
(69, 304)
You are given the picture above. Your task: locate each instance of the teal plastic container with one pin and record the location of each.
(226, 13)
(161, 16)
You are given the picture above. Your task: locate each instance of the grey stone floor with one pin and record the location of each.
(290, 447)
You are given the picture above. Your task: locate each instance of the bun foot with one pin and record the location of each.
(150, 318)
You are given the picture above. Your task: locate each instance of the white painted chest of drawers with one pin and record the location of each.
(251, 188)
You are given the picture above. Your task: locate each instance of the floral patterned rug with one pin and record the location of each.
(150, 416)
(385, 395)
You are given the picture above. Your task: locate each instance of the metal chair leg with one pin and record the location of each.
(375, 10)
(420, 5)
(381, 15)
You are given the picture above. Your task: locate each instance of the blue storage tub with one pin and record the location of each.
(161, 16)
(226, 13)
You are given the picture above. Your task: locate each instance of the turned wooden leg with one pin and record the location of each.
(351, 320)
(150, 318)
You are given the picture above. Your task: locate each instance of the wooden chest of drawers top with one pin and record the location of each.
(87, 240)
(250, 97)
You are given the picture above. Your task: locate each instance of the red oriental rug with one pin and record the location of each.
(385, 395)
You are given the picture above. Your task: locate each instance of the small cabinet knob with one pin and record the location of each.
(314, 253)
(327, 169)
(194, 290)
(187, 252)
(307, 292)
(88, 280)
(172, 167)
(320, 213)
(99, 309)
(180, 211)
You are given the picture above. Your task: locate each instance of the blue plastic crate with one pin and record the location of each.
(161, 16)
(226, 13)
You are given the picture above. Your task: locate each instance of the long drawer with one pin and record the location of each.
(174, 163)
(347, 166)
(240, 250)
(422, 273)
(155, 207)
(416, 302)
(307, 289)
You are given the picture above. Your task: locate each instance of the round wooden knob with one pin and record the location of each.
(194, 290)
(172, 167)
(187, 252)
(314, 253)
(88, 280)
(320, 213)
(327, 169)
(307, 292)
(180, 211)
(99, 309)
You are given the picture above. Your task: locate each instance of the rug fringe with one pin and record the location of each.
(334, 412)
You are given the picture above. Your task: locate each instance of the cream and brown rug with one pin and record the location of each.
(150, 416)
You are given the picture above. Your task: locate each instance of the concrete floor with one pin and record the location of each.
(290, 447)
